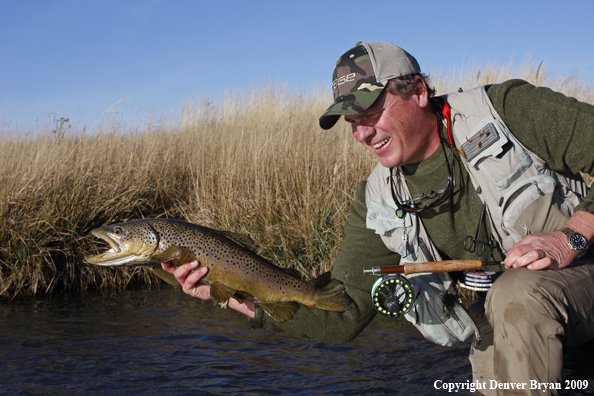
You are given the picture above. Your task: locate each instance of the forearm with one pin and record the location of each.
(361, 248)
(323, 326)
(319, 325)
(560, 131)
(248, 308)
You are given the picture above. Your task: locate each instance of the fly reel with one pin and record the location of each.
(392, 295)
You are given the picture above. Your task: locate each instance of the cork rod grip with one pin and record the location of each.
(442, 266)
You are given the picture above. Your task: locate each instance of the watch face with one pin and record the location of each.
(578, 242)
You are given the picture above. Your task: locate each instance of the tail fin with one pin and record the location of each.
(333, 297)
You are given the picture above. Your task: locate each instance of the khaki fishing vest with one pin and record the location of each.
(521, 195)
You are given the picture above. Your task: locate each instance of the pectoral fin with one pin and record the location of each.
(176, 255)
(221, 293)
(166, 276)
(280, 311)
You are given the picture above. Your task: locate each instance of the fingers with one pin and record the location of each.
(182, 270)
(547, 262)
(539, 251)
(527, 256)
(168, 267)
(189, 278)
(194, 277)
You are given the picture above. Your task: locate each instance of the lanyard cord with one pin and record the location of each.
(446, 114)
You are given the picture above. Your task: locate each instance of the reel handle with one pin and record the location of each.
(432, 266)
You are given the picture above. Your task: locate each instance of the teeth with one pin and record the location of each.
(380, 144)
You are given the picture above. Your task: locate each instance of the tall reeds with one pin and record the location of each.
(254, 162)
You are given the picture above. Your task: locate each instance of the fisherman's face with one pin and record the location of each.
(397, 131)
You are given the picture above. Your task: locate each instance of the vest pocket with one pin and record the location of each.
(439, 324)
(522, 210)
(497, 169)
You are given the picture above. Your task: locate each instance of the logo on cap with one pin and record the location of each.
(343, 80)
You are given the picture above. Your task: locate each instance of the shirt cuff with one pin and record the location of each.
(258, 321)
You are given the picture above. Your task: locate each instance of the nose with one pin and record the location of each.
(362, 132)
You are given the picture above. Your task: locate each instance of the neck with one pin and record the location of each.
(432, 136)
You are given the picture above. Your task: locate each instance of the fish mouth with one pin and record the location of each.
(115, 245)
(117, 254)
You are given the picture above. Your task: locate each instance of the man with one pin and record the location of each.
(508, 154)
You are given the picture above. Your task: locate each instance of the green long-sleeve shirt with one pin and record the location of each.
(558, 129)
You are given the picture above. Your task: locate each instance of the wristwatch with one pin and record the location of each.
(577, 241)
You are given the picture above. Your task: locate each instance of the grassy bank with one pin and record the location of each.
(255, 163)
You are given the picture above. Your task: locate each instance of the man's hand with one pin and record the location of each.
(190, 281)
(550, 249)
(539, 251)
(191, 285)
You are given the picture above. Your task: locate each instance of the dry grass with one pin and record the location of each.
(255, 163)
(535, 72)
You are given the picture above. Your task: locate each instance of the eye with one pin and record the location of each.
(117, 231)
(373, 115)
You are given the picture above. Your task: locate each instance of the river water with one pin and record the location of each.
(162, 342)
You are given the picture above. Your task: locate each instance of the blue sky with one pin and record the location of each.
(76, 59)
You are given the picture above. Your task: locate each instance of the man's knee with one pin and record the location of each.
(516, 295)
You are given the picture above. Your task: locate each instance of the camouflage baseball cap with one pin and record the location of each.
(360, 76)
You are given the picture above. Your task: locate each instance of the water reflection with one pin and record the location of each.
(163, 342)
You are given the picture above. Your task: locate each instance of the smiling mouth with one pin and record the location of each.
(380, 144)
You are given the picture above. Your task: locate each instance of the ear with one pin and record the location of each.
(422, 92)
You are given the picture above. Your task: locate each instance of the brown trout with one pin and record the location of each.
(234, 270)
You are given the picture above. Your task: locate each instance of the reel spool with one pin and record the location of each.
(392, 296)
(478, 280)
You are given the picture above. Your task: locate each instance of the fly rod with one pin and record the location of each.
(432, 266)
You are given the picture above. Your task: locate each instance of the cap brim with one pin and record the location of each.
(353, 103)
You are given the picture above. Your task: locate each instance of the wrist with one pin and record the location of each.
(575, 241)
(247, 308)
(583, 223)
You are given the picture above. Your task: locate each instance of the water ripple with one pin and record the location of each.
(165, 343)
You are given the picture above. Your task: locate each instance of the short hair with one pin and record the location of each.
(405, 86)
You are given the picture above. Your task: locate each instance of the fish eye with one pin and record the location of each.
(117, 231)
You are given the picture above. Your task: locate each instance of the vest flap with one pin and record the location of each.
(487, 141)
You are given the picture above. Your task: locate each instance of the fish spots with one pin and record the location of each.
(229, 263)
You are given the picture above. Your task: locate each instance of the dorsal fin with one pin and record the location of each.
(244, 240)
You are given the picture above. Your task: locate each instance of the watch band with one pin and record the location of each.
(576, 241)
